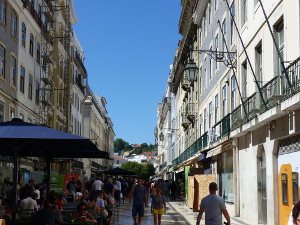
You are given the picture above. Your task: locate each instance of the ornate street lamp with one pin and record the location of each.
(161, 136)
(191, 70)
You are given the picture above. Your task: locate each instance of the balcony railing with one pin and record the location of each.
(271, 92)
(79, 84)
(293, 71)
(77, 57)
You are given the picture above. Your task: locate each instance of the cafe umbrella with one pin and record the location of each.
(21, 139)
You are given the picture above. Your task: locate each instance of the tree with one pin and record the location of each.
(143, 171)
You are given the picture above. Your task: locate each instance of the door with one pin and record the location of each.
(262, 189)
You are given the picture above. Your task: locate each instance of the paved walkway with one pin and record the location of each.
(190, 216)
(178, 213)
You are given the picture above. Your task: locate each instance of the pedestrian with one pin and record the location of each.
(109, 187)
(213, 206)
(71, 187)
(130, 187)
(139, 193)
(117, 187)
(82, 215)
(124, 189)
(79, 187)
(97, 186)
(26, 188)
(28, 204)
(158, 206)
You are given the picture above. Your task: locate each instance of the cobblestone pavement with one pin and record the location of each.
(178, 213)
(172, 217)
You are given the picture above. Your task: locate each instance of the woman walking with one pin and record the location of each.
(158, 206)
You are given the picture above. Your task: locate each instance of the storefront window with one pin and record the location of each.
(225, 172)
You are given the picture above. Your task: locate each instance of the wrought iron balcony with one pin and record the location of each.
(293, 71)
(79, 61)
(190, 111)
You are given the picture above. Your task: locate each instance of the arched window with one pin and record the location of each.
(23, 35)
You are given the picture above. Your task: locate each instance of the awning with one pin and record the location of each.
(214, 151)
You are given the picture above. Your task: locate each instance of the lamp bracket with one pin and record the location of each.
(228, 58)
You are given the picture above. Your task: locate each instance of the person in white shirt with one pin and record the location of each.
(97, 186)
(117, 187)
(28, 204)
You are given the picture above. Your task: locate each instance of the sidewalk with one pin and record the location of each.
(190, 216)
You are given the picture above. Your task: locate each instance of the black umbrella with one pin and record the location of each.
(21, 139)
(119, 171)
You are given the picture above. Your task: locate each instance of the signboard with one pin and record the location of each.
(57, 182)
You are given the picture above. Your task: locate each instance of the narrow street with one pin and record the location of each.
(171, 217)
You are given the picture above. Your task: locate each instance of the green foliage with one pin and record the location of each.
(181, 185)
(144, 171)
(120, 144)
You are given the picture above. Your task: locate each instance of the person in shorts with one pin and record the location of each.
(139, 199)
(158, 206)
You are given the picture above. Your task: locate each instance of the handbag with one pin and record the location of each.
(104, 213)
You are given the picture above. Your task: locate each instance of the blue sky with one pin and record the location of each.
(129, 46)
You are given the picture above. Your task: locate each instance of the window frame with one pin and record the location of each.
(13, 70)
(14, 23)
(31, 44)
(2, 61)
(3, 11)
(22, 80)
(23, 35)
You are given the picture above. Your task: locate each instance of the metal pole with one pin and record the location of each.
(248, 59)
(15, 178)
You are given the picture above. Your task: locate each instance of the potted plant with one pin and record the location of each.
(181, 188)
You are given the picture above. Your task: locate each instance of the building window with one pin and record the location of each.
(30, 83)
(2, 61)
(243, 12)
(216, 107)
(209, 12)
(204, 120)
(216, 4)
(245, 80)
(217, 48)
(232, 27)
(13, 64)
(1, 112)
(37, 93)
(22, 79)
(224, 35)
(224, 93)
(3, 11)
(210, 66)
(13, 23)
(23, 35)
(258, 64)
(38, 53)
(279, 36)
(200, 80)
(210, 115)
(11, 113)
(31, 41)
(233, 93)
(200, 35)
(200, 128)
(204, 25)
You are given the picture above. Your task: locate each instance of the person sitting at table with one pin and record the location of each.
(92, 206)
(109, 206)
(47, 216)
(82, 215)
(28, 205)
(7, 214)
(85, 197)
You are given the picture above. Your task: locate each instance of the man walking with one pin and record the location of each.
(117, 187)
(139, 199)
(71, 187)
(214, 206)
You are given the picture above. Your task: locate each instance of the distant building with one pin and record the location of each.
(119, 160)
(138, 158)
